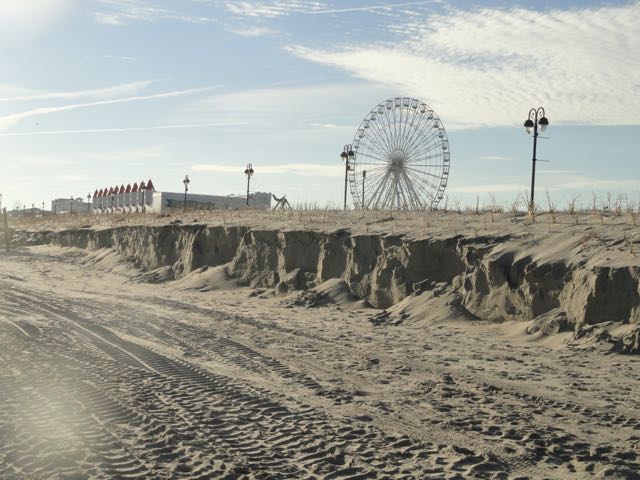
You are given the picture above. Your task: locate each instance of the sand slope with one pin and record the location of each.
(105, 376)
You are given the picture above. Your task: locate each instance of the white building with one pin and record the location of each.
(70, 205)
(144, 198)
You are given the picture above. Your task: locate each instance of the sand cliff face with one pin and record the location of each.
(559, 280)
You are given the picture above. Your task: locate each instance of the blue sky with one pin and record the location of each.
(95, 93)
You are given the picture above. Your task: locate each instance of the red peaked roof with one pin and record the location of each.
(142, 185)
(100, 193)
(128, 189)
(134, 188)
(95, 194)
(110, 190)
(150, 185)
(121, 189)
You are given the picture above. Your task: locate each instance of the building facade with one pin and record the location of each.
(70, 205)
(143, 198)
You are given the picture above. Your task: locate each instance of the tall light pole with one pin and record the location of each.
(536, 117)
(347, 155)
(249, 173)
(364, 176)
(186, 182)
(89, 202)
(70, 205)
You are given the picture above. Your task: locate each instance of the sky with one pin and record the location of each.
(97, 93)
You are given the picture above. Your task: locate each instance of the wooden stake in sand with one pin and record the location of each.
(7, 238)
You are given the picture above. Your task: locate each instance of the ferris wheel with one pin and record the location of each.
(401, 157)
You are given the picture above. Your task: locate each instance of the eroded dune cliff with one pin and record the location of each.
(561, 280)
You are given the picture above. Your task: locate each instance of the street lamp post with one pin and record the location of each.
(536, 117)
(186, 182)
(364, 176)
(249, 173)
(88, 202)
(347, 155)
(70, 205)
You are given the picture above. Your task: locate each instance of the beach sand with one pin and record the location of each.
(106, 375)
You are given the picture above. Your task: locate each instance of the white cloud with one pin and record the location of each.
(271, 9)
(252, 30)
(107, 92)
(13, 118)
(299, 104)
(121, 58)
(119, 12)
(304, 169)
(487, 67)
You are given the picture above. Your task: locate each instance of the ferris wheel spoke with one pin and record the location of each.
(373, 175)
(386, 196)
(379, 160)
(372, 185)
(423, 172)
(390, 131)
(432, 183)
(397, 118)
(424, 190)
(409, 127)
(383, 135)
(380, 189)
(426, 196)
(402, 128)
(422, 156)
(411, 143)
(390, 198)
(416, 135)
(375, 139)
(405, 193)
(374, 145)
(429, 192)
(426, 133)
(413, 194)
(431, 139)
(376, 183)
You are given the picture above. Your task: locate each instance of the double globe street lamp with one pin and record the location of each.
(249, 173)
(536, 117)
(186, 182)
(347, 155)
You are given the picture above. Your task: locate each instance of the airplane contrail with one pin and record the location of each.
(365, 8)
(127, 129)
